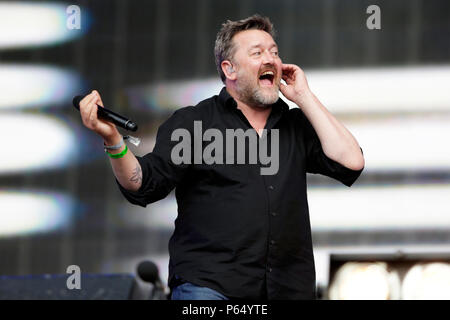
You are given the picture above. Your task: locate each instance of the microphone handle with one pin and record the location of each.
(116, 119)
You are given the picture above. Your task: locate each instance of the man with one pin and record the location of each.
(239, 233)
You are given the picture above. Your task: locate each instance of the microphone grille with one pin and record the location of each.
(76, 101)
(148, 271)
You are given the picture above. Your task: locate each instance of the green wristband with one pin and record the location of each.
(118, 155)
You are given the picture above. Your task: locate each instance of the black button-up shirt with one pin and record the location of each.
(241, 233)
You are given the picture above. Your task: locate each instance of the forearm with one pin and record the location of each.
(337, 142)
(126, 169)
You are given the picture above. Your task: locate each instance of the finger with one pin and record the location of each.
(288, 73)
(99, 101)
(288, 67)
(92, 116)
(288, 78)
(284, 89)
(290, 70)
(85, 105)
(85, 101)
(88, 99)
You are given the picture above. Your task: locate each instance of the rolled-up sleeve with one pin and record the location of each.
(318, 162)
(159, 174)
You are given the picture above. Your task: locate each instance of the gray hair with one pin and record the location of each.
(224, 48)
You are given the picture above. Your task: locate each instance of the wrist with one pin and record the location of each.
(117, 154)
(112, 139)
(303, 98)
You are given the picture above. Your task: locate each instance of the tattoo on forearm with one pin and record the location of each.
(137, 175)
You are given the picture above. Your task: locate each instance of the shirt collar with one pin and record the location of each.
(227, 100)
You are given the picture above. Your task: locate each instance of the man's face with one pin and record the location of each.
(258, 67)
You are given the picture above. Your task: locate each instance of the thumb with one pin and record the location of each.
(99, 99)
(283, 88)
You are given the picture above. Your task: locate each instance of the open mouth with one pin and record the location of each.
(266, 78)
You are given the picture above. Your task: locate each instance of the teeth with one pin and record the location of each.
(267, 72)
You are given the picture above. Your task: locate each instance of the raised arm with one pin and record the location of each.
(337, 142)
(126, 169)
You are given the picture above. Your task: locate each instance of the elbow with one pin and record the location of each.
(135, 187)
(354, 161)
(132, 187)
(357, 163)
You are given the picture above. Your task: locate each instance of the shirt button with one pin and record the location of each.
(269, 269)
(271, 188)
(273, 214)
(272, 242)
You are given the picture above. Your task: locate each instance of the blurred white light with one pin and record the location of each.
(340, 209)
(36, 86)
(403, 207)
(362, 90)
(173, 95)
(35, 142)
(404, 143)
(428, 281)
(364, 281)
(29, 24)
(383, 89)
(23, 213)
(159, 215)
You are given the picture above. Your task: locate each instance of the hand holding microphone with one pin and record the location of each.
(93, 115)
(99, 119)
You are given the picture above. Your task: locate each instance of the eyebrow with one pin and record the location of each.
(259, 45)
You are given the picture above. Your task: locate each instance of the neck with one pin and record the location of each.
(256, 115)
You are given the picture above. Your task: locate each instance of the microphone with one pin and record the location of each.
(109, 115)
(148, 272)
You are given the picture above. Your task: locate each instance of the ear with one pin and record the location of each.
(228, 70)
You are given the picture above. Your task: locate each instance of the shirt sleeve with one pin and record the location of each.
(318, 162)
(159, 174)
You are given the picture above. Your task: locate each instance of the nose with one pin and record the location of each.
(268, 57)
